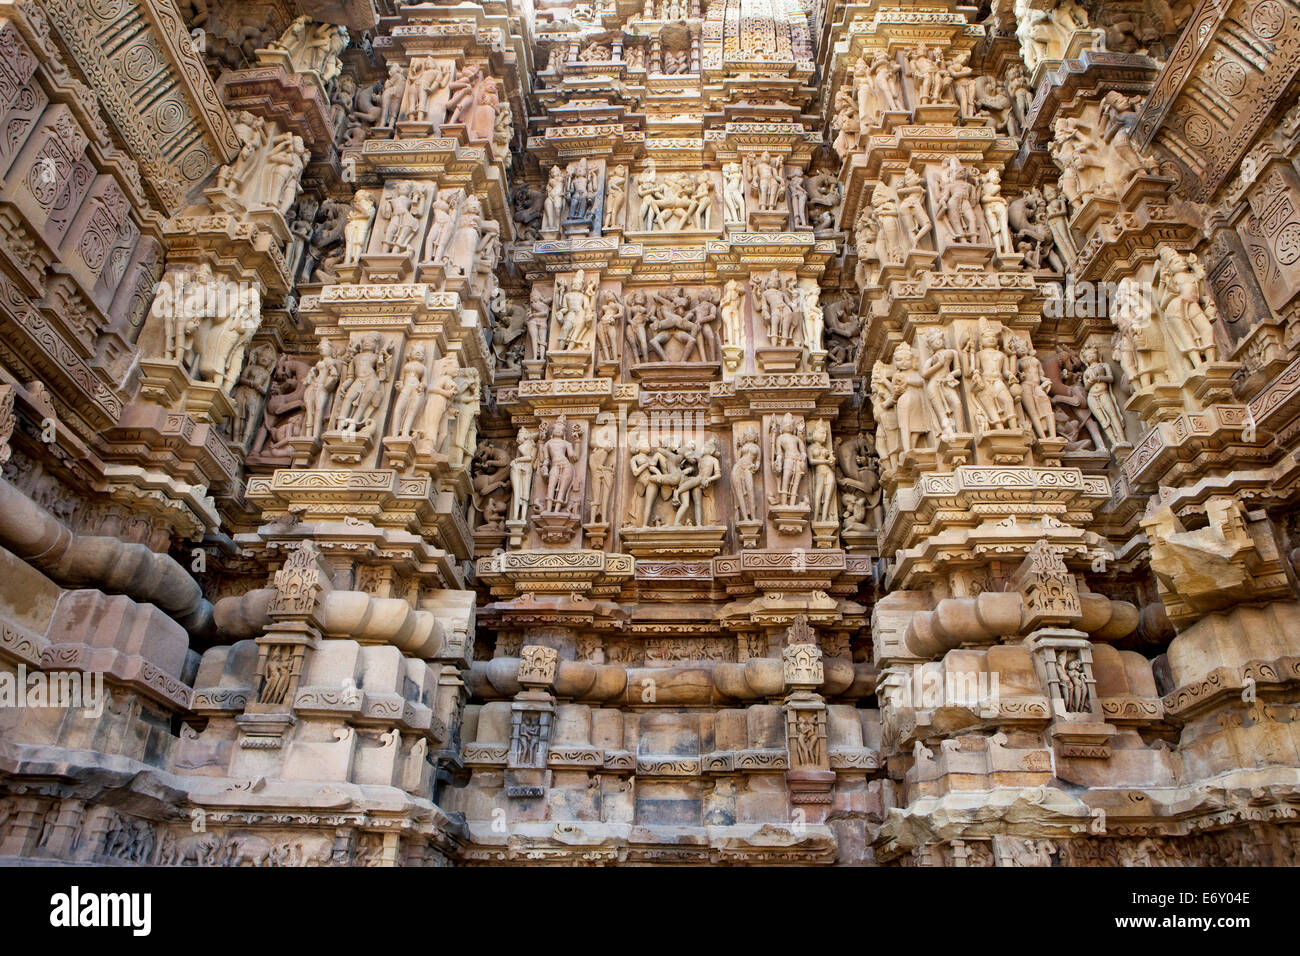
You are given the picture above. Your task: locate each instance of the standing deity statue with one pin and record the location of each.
(442, 221)
(615, 197)
(889, 239)
(789, 460)
(987, 367)
(521, 474)
(733, 313)
(367, 373)
(884, 73)
(813, 316)
(1035, 388)
(357, 228)
(1097, 379)
(558, 455)
(957, 200)
(942, 373)
(410, 392)
(798, 193)
(467, 402)
(321, 382)
(1140, 343)
(733, 192)
(638, 321)
(765, 181)
(914, 429)
(774, 304)
(884, 409)
(995, 211)
(747, 462)
(1184, 307)
(600, 466)
(539, 323)
(442, 389)
(577, 311)
(611, 316)
(911, 208)
(821, 458)
(553, 207)
(458, 256)
(394, 93)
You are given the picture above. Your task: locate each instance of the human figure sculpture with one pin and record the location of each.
(442, 222)
(695, 488)
(615, 197)
(357, 228)
(813, 316)
(558, 454)
(1184, 307)
(611, 315)
(889, 239)
(521, 474)
(437, 404)
(789, 461)
(577, 312)
(459, 254)
(249, 391)
(798, 195)
(733, 192)
(821, 459)
(733, 314)
(963, 83)
(775, 306)
(1140, 343)
(600, 466)
(367, 374)
(466, 405)
(1097, 379)
(995, 211)
(957, 199)
(321, 382)
(650, 191)
(410, 392)
(746, 464)
(638, 320)
(539, 323)
(884, 72)
(942, 373)
(553, 207)
(911, 208)
(1035, 388)
(987, 371)
(394, 92)
(884, 408)
(765, 181)
(914, 429)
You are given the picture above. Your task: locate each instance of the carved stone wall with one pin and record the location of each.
(691, 431)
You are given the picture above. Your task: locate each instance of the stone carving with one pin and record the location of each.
(1184, 307)
(361, 390)
(207, 323)
(774, 304)
(958, 197)
(615, 197)
(987, 369)
(766, 184)
(789, 459)
(942, 373)
(313, 47)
